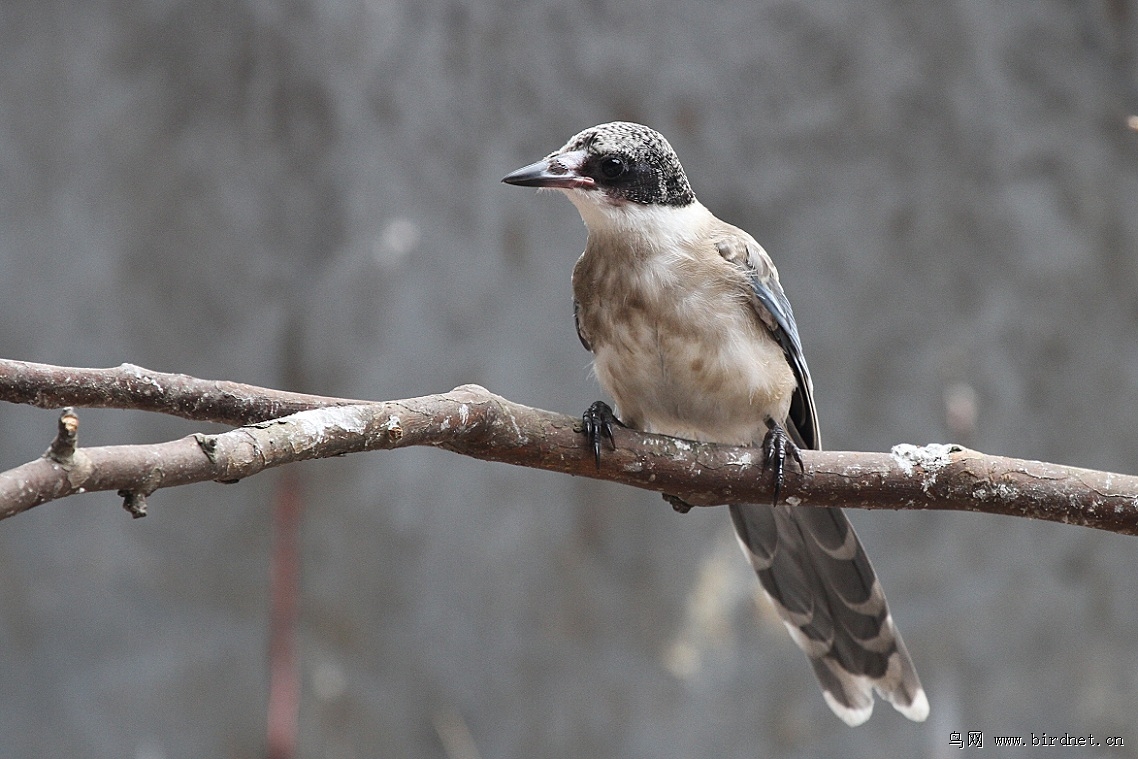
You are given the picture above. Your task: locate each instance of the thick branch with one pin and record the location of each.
(473, 422)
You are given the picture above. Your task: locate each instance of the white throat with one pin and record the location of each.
(665, 225)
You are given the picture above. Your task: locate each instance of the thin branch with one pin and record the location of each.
(474, 422)
(132, 387)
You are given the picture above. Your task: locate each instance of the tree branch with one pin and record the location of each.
(132, 387)
(471, 421)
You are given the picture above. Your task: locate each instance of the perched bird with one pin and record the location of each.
(693, 337)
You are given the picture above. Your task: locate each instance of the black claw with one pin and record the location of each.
(776, 445)
(679, 504)
(597, 423)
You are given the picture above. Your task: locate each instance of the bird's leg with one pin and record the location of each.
(776, 445)
(597, 423)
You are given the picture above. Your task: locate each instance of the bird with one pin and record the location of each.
(693, 337)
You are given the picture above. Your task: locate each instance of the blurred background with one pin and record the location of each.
(306, 195)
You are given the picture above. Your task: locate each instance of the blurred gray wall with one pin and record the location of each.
(305, 195)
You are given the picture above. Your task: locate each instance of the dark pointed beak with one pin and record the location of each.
(560, 170)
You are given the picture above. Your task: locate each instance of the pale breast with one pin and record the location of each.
(679, 346)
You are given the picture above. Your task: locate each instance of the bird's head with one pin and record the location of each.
(614, 166)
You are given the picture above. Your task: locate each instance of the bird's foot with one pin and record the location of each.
(597, 423)
(679, 504)
(776, 445)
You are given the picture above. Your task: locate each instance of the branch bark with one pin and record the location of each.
(285, 427)
(132, 387)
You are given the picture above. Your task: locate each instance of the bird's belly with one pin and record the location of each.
(718, 380)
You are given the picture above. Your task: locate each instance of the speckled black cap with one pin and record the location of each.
(652, 173)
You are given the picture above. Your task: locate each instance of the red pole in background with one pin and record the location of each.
(282, 723)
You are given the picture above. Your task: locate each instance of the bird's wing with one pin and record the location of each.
(809, 560)
(580, 331)
(774, 310)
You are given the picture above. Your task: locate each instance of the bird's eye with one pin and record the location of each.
(612, 168)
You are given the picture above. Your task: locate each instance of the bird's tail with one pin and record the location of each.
(813, 567)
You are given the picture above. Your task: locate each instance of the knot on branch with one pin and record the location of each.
(62, 448)
(134, 503)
